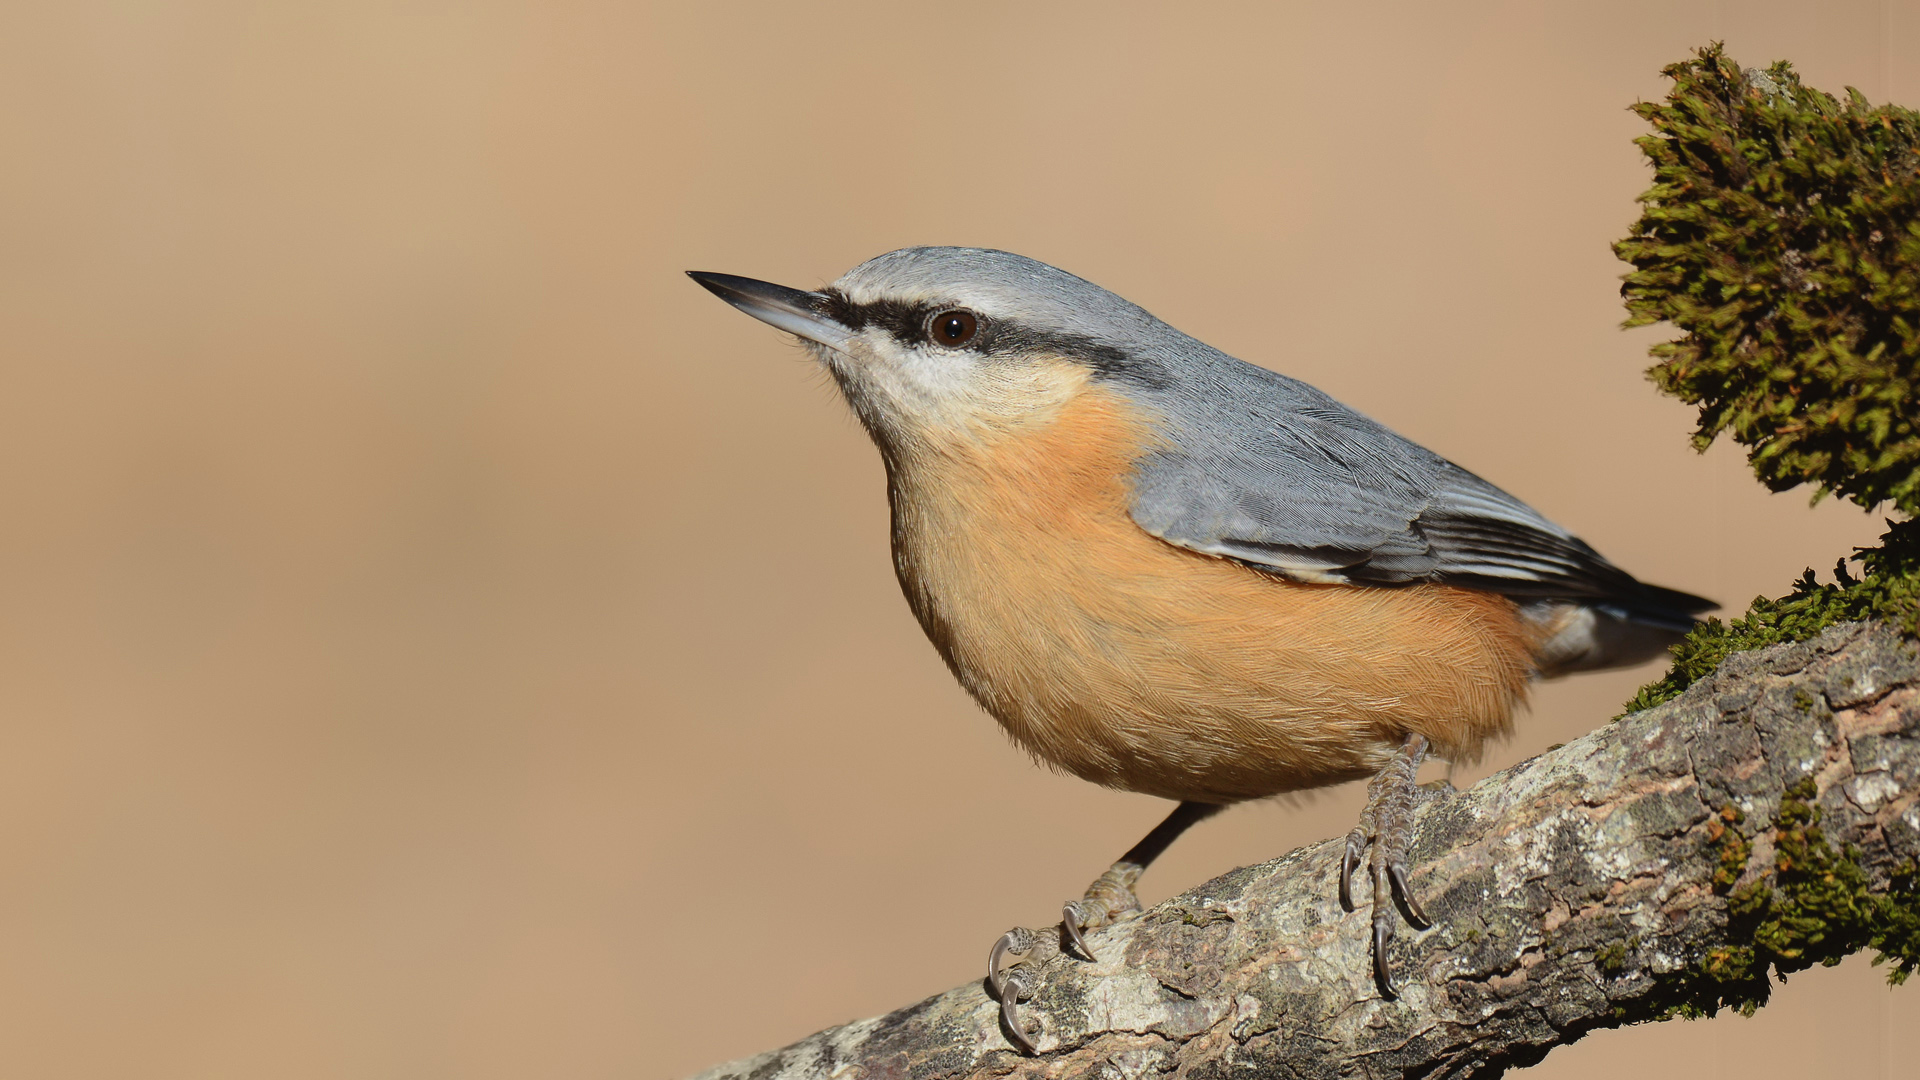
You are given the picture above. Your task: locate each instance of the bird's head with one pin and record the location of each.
(934, 343)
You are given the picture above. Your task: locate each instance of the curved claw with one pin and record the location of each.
(1070, 918)
(1382, 933)
(1016, 941)
(1009, 995)
(1356, 845)
(1415, 917)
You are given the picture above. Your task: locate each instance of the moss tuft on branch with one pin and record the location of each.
(1888, 590)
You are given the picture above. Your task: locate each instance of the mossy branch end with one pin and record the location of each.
(1782, 238)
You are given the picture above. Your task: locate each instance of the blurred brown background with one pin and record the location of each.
(438, 640)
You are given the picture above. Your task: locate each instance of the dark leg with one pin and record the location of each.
(1387, 824)
(1108, 900)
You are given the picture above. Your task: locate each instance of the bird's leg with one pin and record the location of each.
(1387, 824)
(1108, 900)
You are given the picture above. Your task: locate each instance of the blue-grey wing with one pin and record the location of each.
(1273, 473)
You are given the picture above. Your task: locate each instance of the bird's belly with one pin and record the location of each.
(1215, 682)
(1133, 663)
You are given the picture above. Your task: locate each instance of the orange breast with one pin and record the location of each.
(1127, 661)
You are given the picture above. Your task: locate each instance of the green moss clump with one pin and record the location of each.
(1612, 958)
(1734, 848)
(1782, 237)
(1818, 909)
(1898, 933)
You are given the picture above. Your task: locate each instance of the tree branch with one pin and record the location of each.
(1664, 864)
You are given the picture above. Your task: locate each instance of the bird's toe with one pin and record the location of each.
(1386, 827)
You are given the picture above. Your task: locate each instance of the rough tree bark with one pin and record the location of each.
(1582, 889)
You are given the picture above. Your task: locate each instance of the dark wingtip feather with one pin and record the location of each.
(1657, 605)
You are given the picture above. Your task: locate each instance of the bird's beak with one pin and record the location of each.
(791, 310)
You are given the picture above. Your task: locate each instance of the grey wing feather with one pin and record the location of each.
(1272, 472)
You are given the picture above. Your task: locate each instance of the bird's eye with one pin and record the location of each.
(953, 328)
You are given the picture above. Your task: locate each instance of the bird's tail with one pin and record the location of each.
(1619, 631)
(1657, 606)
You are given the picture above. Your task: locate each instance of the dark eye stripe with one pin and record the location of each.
(904, 321)
(908, 323)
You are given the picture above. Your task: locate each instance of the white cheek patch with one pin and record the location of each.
(917, 385)
(923, 391)
(941, 375)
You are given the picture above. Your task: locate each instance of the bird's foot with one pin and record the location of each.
(1108, 900)
(1387, 825)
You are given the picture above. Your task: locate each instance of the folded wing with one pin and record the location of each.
(1275, 474)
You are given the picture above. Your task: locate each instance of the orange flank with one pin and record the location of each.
(1127, 661)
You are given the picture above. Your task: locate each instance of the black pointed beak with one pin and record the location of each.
(791, 310)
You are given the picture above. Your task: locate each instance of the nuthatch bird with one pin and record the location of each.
(1166, 570)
